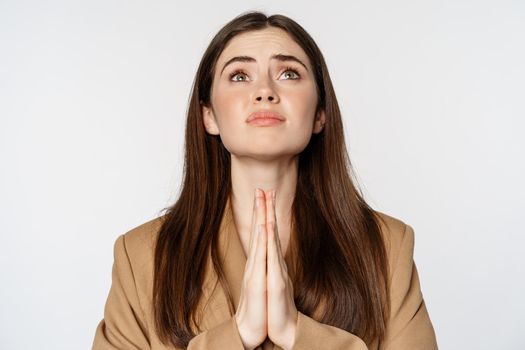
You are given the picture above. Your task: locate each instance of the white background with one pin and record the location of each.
(93, 96)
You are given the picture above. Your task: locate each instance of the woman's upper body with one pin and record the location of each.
(128, 321)
(263, 114)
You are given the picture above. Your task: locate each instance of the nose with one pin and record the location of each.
(265, 91)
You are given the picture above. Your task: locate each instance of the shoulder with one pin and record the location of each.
(134, 252)
(140, 240)
(397, 235)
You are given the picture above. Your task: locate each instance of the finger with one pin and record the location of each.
(253, 235)
(253, 223)
(275, 258)
(275, 231)
(259, 265)
(261, 208)
(272, 259)
(259, 220)
(277, 237)
(270, 224)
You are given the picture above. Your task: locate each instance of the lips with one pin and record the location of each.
(264, 114)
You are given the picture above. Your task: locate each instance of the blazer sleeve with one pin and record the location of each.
(409, 327)
(123, 325)
(223, 336)
(311, 334)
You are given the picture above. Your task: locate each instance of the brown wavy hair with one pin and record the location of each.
(340, 257)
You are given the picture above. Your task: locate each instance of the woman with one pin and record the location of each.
(303, 263)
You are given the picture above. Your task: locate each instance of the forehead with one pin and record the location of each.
(261, 44)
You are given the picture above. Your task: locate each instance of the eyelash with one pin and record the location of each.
(240, 71)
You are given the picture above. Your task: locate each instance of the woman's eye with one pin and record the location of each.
(242, 76)
(294, 74)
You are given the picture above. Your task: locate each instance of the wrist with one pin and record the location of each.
(245, 336)
(290, 339)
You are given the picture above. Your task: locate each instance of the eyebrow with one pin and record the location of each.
(279, 57)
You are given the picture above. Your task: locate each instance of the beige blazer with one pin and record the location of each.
(128, 317)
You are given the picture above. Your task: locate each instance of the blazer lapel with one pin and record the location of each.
(232, 254)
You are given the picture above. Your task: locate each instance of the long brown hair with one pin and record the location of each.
(340, 257)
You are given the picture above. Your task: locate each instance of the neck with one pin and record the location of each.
(247, 174)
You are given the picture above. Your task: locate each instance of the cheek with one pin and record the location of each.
(302, 105)
(230, 107)
(229, 101)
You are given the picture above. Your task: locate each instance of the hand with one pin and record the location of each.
(251, 315)
(266, 305)
(282, 313)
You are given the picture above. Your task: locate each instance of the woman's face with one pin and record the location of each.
(260, 82)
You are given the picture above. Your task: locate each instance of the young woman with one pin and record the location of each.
(270, 245)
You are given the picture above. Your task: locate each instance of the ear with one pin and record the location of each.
(320, 120)
(208, 119)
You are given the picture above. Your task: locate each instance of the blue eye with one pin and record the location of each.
(293, 70)
(237, 72)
